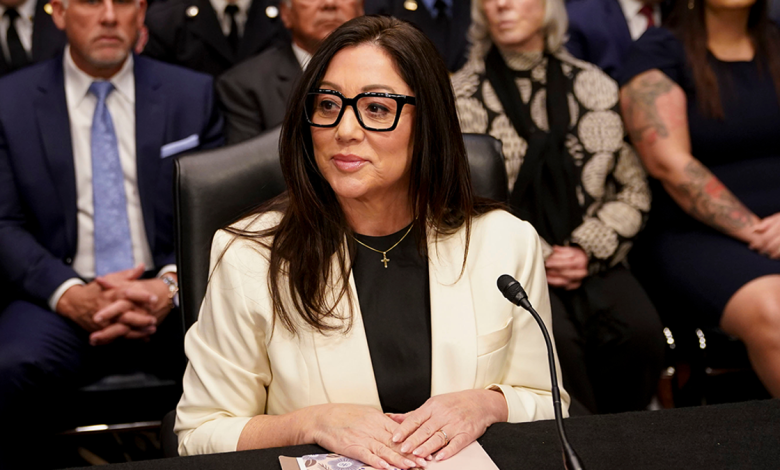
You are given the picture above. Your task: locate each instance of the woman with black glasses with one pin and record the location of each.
(359, 310)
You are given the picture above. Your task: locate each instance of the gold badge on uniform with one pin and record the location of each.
(47, 8)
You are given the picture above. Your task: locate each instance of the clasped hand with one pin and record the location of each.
(117, 305)
(566, 267)
(444, 425)
(765, 238)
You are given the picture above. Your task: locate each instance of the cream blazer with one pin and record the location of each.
(238, 369)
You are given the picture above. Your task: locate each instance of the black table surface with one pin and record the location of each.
(733, 436)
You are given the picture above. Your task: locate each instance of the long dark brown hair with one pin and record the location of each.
(313, 230)
(689, 26)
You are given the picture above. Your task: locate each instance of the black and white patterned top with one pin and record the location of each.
(612, 188)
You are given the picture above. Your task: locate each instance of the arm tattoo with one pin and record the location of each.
(711, 202)
(641, 100)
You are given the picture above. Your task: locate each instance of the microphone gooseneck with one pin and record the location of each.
(514, 292)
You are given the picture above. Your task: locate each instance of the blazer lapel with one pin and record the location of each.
(4, 67)
(149, 134)
(256, 34)
(344, 359)
(47, 40)
(618, 25)
(51, 111)
(288, 72)
(461, 19)
(453, 325)
(206, 26)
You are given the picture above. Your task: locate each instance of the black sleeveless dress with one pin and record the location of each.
(680, 260)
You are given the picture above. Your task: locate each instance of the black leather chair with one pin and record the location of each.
(211, 190)
(217, 187)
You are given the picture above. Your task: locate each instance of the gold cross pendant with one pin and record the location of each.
(384, 259)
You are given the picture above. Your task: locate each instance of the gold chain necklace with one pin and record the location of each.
(385, 259)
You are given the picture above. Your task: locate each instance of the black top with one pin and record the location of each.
(396, 308)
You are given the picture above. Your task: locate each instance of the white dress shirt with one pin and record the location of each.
(301, 55)
(241, 15)
(81, 108)
(24, 27)
(637, 22)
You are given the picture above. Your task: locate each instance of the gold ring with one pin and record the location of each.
(446, 439)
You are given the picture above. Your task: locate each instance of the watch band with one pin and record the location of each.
(173, 290)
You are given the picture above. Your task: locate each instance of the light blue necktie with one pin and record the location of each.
(113, 245)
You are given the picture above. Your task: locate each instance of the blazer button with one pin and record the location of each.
(68, 260)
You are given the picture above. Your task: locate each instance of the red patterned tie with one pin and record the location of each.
(647, 12)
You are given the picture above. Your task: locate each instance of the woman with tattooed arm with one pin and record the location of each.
(700, 101)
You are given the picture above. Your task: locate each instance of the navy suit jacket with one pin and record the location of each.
(598, 33)
(37, 176)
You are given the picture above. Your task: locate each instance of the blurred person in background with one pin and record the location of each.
(27, 34)
(210, 36)
(601, 31)
(700, 102)
(254, 94)
(572, 175)
(445, 22)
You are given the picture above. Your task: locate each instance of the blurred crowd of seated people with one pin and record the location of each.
(632, 130)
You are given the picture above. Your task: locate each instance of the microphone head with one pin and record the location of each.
(510, 287)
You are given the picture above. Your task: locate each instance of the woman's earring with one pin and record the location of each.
(691, 4)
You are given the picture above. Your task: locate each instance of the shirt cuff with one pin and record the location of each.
(168, 268)
(55, 297)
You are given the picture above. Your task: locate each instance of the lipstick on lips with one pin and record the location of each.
(348, 163)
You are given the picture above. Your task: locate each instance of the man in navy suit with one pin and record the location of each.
(86, 147)
(601, 31)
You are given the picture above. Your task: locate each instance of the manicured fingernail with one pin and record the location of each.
(154, 298)
(409, 463)
(439, 457)
(430, 457)
(422, 463)
(406, 447)
(397, 438)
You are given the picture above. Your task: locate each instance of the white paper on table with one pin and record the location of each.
(473, 457)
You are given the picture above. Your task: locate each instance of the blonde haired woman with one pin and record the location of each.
(575, 179)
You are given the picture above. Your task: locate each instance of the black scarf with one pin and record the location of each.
(544, 193)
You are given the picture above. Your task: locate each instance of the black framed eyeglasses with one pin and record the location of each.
(375, 111)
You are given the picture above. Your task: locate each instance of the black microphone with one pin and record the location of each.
(515, 293)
